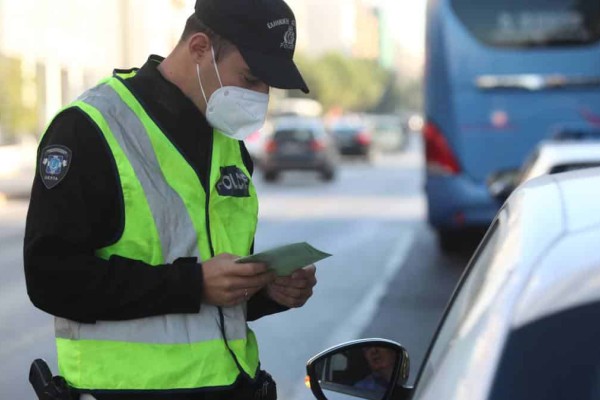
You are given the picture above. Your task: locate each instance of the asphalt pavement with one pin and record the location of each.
(386, 277)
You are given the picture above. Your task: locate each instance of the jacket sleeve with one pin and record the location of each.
(82, 213)
(261, 305)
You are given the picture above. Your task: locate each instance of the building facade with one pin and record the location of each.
(62, 47)
(351, 27)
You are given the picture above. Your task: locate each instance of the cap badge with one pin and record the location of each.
(289, 39)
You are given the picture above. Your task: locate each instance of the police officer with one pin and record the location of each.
(142, 202)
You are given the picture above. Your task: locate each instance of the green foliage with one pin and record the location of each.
(411, 94)
(339, 81)
(15, 117)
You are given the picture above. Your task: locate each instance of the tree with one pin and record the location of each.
(339, 81)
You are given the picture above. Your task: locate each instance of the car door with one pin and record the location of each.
(448, 357)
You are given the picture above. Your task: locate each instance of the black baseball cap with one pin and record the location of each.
(264, 31)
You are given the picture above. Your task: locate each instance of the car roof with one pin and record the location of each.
(561, 152)
(569, 274)
(552, 153)
(554, 216)
(579, 191)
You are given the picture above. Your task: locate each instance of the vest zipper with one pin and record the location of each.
(212, 252)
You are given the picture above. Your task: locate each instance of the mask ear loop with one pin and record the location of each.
(200, 82)
(212, 49)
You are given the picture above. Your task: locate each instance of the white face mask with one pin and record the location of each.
(235, 111)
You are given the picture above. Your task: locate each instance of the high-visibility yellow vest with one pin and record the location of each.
(168, 215)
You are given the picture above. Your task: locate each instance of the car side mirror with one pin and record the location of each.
(374, 369)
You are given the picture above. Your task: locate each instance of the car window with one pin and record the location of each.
(346, 130)
(531, 23)
(555, 358)
(294, 135)
(573, 167)
(463, 299)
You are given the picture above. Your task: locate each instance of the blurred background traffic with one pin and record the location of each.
(422, 119)
(350, 52)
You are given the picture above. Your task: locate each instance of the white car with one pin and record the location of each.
(524, 321)
(552, 157)
(549, 157)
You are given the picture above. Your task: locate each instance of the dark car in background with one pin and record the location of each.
(300, 144)
(353, 138)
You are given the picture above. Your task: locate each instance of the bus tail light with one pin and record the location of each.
(438, 153)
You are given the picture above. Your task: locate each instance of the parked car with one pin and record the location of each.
(524, 320)
(550, 157)
(353, 138)
(299, 143)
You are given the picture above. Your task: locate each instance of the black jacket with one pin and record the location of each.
(84, 212)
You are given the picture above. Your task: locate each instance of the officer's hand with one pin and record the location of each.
(295, 290)
(228, 284)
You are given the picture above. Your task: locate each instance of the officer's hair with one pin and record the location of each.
(195, 25)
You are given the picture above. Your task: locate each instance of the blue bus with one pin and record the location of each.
(500, 76)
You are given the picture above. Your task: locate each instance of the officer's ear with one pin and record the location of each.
(199, 45)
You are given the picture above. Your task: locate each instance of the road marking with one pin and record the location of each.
(359, 320)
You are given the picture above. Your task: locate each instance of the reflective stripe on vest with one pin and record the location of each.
(165, 218)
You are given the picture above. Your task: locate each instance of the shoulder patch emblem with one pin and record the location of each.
(54, 165)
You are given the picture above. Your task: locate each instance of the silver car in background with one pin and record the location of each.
(550, 157)
(524, 321)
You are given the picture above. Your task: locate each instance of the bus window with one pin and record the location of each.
(531, 23)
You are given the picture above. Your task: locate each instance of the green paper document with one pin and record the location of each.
(286, 259)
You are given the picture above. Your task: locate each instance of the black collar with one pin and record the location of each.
(153, 85)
